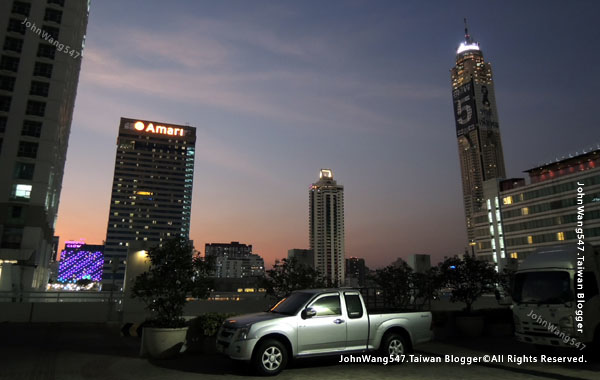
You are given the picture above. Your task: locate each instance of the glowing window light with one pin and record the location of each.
(22, 191)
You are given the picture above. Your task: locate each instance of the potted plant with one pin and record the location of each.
(468, 278)
(202, 333)
(173, 275)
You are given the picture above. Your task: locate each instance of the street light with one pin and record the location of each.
(472, 244)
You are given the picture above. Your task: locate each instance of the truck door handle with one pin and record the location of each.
(338, 321)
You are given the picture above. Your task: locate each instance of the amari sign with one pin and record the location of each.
(157, 129)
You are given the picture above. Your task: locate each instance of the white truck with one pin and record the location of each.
(319, 322)
(555, 297)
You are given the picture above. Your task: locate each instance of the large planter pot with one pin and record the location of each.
(470, 325)
(162, 343)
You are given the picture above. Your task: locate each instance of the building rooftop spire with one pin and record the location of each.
(467, 36)
(468, 44)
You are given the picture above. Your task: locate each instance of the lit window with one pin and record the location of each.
(507, 200)
(560, 236)
(514, 255)
(22, 191)
(529, 239)
(525, 211)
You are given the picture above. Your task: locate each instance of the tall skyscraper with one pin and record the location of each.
(477, 128)
(326, 227)
(42, 42)
(152, 189)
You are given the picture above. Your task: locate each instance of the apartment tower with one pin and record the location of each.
(326, 227)
(40, 58)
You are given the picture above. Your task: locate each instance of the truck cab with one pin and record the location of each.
(555, 297)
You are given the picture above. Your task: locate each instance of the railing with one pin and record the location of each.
(376, 301)
(61, 296)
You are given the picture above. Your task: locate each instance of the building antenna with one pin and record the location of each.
(467, 36)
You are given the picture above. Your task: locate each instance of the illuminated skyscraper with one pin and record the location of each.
(477, 128)
(152, 189)
(326, 219)
(40, 58)
(80, 261)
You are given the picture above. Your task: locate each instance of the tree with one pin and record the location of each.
(173, 276)
(395, 282)
(288, 275)
(426, 285)
(468, 278)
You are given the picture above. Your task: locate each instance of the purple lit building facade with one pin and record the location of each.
(80, 261)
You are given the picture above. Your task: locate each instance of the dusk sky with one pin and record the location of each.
(280, 89)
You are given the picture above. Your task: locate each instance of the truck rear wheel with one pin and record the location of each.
(393, 344)
(270, 357)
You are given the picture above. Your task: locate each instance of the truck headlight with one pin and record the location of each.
(243, 333)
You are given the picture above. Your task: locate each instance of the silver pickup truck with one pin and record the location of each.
(319, 322)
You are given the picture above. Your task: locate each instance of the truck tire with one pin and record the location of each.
(393, 344)
(269, 358)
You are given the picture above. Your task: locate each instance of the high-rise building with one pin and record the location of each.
(326, 227)
(152, 189)
(80, 261)
(477, 126)
(40, 58)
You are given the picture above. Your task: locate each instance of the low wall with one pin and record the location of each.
(54, 312)
(97, 312)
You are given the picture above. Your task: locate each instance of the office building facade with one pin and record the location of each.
(234, 248)
(235, 260)
(38, 85)
(356, 271)
(152, 189)
(561, 197)
(419, 263)
(80, 261)
(477, 126)
(302, 256)
(326, 227)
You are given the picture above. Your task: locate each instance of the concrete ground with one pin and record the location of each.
(79, 351)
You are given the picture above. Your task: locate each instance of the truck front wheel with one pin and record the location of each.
(393, 344)
(270, 357)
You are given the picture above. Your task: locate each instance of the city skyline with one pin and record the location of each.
(285, 93)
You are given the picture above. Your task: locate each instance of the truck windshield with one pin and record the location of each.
(292, 304)
(551, 287)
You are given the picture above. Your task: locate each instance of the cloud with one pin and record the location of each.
(203, 66)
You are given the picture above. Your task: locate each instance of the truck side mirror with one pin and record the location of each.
(309, 312)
